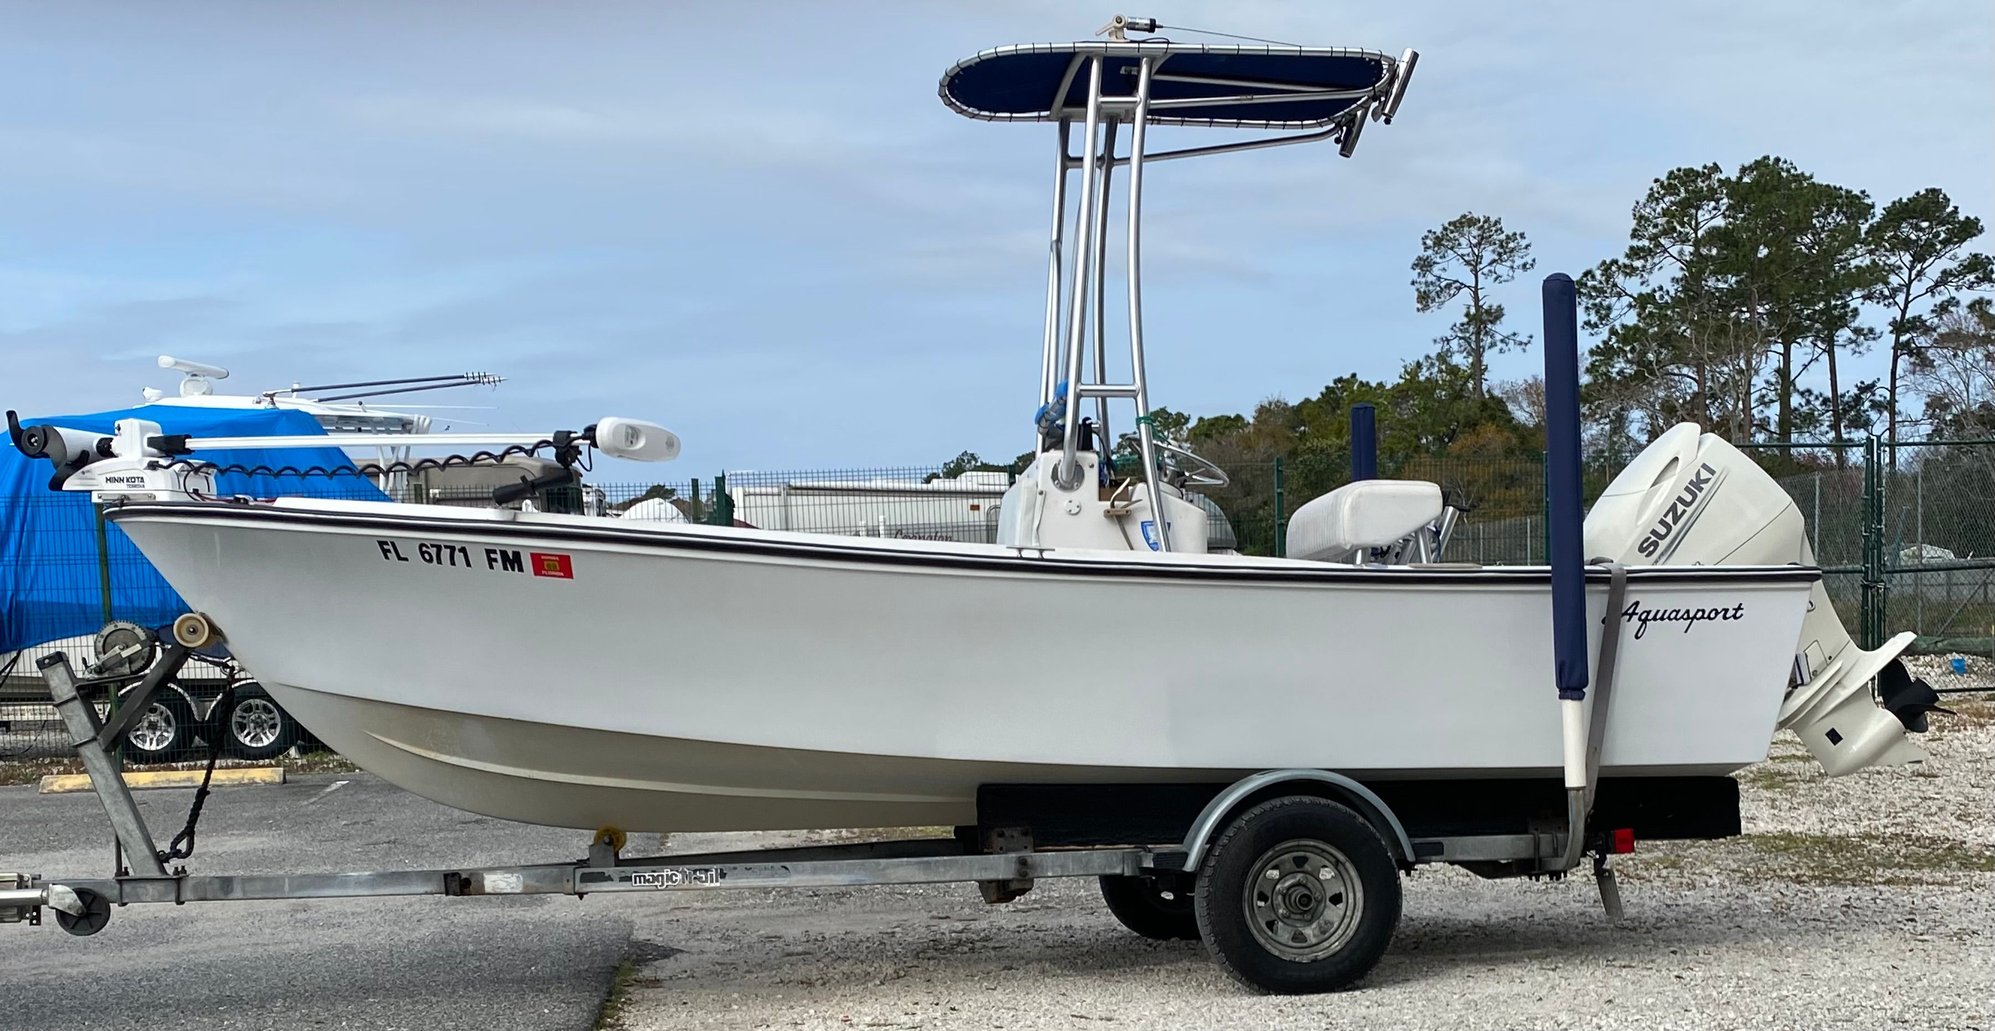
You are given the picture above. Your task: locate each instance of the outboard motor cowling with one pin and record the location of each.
(1691, 499)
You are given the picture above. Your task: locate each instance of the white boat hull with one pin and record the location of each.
(672, 677)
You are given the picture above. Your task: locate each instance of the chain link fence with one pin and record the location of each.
(1938, 541)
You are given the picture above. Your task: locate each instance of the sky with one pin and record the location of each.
(756, 224)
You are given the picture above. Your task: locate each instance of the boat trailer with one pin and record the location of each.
(1150, 888)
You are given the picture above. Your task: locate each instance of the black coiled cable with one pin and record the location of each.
(375, 468)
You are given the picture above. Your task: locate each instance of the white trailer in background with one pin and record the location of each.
(960, 508)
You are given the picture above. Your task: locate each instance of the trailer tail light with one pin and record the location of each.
(1623, 841)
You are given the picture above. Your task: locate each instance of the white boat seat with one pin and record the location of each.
(1365, 514)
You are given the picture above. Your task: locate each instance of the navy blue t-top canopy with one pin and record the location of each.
(1020, 83)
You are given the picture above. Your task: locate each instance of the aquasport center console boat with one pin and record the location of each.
(1249, 732)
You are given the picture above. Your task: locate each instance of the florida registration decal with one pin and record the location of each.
(451, 555)
(548, 563)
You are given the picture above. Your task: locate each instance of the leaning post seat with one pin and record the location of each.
(1364, 514)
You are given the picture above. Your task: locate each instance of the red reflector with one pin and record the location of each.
(1624, 841)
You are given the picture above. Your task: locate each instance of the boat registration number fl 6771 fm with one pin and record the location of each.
(552, 564)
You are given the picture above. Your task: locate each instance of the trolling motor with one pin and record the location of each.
(126, 462)
(67, 450)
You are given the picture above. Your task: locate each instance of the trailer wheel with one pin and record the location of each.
(255, 727)
(165, 734)
(1152, 906)
(96, 913)
(1298, 895)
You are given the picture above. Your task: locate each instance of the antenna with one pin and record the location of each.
(386, 387)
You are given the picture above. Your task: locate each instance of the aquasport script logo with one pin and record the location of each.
(1642, 617)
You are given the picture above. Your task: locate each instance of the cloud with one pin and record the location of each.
(732, 132)
(759, 224)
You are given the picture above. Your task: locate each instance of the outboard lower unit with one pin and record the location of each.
(1691, 498)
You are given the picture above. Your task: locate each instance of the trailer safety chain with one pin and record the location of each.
(174, 850)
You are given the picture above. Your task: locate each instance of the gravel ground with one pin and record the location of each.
(1866, 902)
(1938, 671)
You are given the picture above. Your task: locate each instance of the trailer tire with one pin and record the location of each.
(255, 727)
(1298, 895)
(1152, 907)
(165, 734)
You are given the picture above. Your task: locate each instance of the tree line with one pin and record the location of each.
(1737, 303)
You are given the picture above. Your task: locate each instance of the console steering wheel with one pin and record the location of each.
(1203, 473)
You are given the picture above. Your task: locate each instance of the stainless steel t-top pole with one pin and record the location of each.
(1100, 293)
(1139, 378)
(1067, 474)
(1055, 267)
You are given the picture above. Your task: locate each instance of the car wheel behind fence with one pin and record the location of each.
(255, 726)
(165, 733)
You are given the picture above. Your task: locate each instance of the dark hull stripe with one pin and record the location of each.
(1048, 562)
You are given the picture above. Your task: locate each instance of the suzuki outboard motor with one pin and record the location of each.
(1691, 499)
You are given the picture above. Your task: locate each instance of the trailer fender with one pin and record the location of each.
(1323, 783)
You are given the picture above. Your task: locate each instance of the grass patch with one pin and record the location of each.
(611, 1016)
(1771, 778)
(1651, 864)
(29, 771)
(1864, 859)
(318, 760)
(1814, 860)
(1968, 712)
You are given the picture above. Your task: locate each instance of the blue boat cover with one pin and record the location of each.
(50, 586)
(1022, 82)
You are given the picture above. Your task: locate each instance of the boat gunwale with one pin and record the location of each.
(1047, 561)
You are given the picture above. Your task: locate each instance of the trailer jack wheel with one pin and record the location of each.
(1298, 895)
(96, 913)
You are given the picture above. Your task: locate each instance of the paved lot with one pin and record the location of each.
(483, 964)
